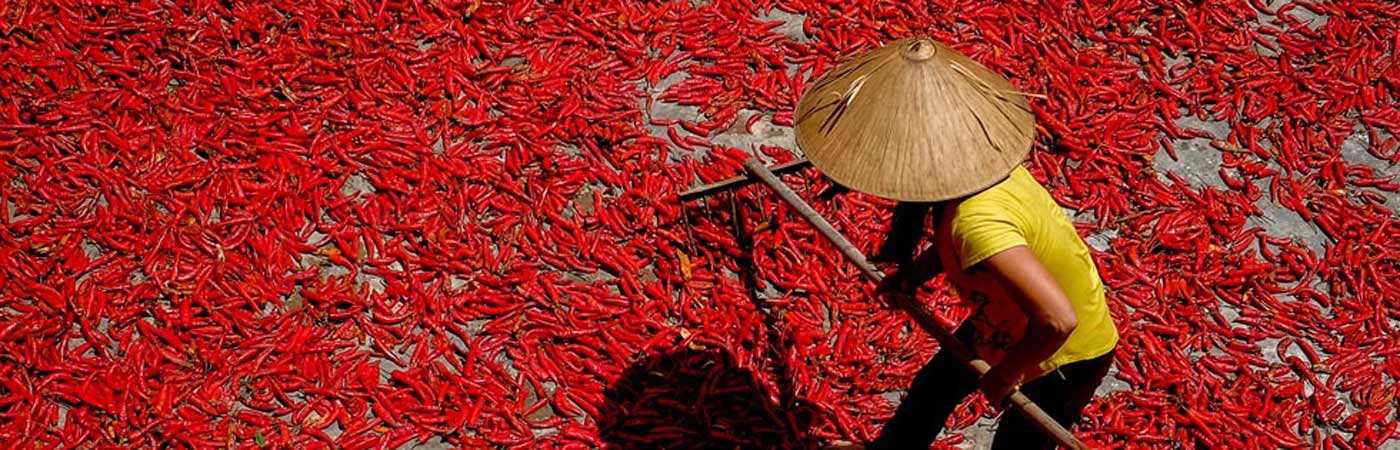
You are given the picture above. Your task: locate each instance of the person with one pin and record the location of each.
(917, 122)
(1040, 316)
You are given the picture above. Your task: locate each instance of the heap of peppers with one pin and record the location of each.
(452, 223)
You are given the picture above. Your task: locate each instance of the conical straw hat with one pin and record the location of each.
(914, 120)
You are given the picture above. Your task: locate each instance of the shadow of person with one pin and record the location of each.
(698, 399)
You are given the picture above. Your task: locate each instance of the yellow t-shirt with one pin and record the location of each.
(1020, 212)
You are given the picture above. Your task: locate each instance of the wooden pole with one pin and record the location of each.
(925, 319)
(740, 181)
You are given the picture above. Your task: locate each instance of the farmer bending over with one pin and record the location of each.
(916, 122)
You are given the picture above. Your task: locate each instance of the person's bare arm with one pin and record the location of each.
(917, 272)
(906, 230)
(1050, 316)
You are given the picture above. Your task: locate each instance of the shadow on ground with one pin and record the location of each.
(698, 399)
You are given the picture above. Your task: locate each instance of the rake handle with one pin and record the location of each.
(739, 181)
(925, 319)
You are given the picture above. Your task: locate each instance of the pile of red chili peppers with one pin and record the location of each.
(372, 224)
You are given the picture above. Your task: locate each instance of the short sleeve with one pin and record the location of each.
(983, 227)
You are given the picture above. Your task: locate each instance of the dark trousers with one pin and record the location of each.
(943, 383)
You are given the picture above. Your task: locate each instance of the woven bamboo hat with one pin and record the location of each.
(914, 120)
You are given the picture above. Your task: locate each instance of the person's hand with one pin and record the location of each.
(997, 388)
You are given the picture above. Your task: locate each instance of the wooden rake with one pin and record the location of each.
(757, 172)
